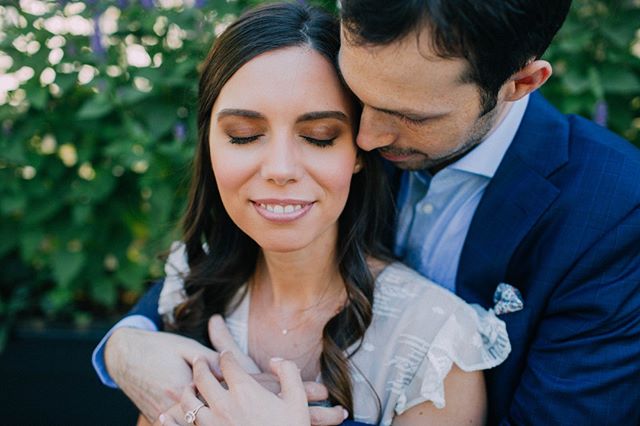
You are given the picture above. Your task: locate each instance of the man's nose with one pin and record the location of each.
(281, 162)
(374, 131)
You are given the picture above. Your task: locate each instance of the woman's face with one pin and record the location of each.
(282, 149)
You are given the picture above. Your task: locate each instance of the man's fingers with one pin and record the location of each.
(323, 416)
(290, 380)
(315, 391)
(223, 341)
(205, 381)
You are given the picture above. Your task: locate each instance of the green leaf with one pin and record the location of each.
(38, 97)
(29, 243)
(67, 266)
(576, 81)
(103, 291)
(95, 107)
(596, 83)
(620, 80)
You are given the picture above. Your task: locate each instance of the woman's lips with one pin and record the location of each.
(282, 210)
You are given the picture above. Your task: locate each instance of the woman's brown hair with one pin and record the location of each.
(222, 257)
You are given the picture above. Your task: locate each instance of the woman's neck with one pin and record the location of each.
(298, 280)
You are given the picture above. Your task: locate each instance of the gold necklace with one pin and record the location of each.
(286, 330)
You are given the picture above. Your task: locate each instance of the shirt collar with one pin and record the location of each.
(485, 158)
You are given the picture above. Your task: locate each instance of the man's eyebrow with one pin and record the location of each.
(319, 115)
(239, 113)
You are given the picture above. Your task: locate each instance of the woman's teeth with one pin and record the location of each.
(279, 209)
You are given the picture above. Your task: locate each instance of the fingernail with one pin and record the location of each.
(195, 359)
(162, 419)
(345, 413)
(276, 359)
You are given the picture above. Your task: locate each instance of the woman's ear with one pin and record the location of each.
(529, 78)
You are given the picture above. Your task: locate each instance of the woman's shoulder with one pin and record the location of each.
(402, 289)
(419, 330)
(409, 307)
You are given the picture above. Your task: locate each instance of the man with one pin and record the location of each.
(503, 200)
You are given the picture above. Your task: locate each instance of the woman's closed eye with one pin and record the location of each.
(242, 140)
(322, 143)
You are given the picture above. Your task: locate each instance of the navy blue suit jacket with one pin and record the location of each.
(560, 221)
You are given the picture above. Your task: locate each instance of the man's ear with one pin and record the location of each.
(529, 78)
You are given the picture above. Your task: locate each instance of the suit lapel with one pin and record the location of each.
(518, 194)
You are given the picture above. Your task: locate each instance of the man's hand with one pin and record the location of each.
(153, 368)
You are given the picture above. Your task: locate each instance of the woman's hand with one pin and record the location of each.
(246, 402)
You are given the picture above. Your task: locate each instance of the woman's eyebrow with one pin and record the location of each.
(239, 113)
(319, 115)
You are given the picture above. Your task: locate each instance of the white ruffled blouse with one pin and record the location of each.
(417, 332)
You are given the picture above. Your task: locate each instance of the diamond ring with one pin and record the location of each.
(190, 416)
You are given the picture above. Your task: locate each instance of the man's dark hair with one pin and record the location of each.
(496, 37)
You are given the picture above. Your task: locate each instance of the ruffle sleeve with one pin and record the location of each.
(472, 338)
(176, 269)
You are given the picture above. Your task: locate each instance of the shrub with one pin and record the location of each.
(97, 105)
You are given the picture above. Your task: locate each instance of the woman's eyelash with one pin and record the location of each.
(322, 143)
(243, 140)
(314, 141)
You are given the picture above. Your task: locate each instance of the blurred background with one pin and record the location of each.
(97, 127)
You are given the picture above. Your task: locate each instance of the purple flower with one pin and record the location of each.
(601, 113)
(7, 126)
(122, 4)
(96, 42)
(199, 4)
(147, 4)
(72, 50)
(180, 131)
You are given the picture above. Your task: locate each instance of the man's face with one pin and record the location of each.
(417, 109)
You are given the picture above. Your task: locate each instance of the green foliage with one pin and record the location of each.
(98, 128)
(95, 148)
(596, 61)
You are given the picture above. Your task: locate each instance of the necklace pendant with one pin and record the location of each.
(284, 331)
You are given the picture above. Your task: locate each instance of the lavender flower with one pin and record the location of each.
(122, 4)
(7, 127)
(199, 4)
(601, 113)
(96, 42)
(180, 131)
(147, 4)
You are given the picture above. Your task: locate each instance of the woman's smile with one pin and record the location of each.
(282, 211)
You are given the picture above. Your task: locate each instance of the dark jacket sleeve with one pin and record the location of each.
(147, 306)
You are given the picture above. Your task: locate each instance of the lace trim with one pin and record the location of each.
(471, 349)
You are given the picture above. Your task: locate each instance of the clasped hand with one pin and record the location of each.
(154, 369)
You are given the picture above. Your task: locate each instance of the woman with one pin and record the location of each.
(283, 238)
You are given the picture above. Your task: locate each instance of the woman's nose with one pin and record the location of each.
(281, 162)
(374, 130)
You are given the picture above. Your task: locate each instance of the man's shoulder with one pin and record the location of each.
(595, 161)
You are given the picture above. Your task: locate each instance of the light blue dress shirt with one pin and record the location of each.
(435, 212)
(432, 225)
